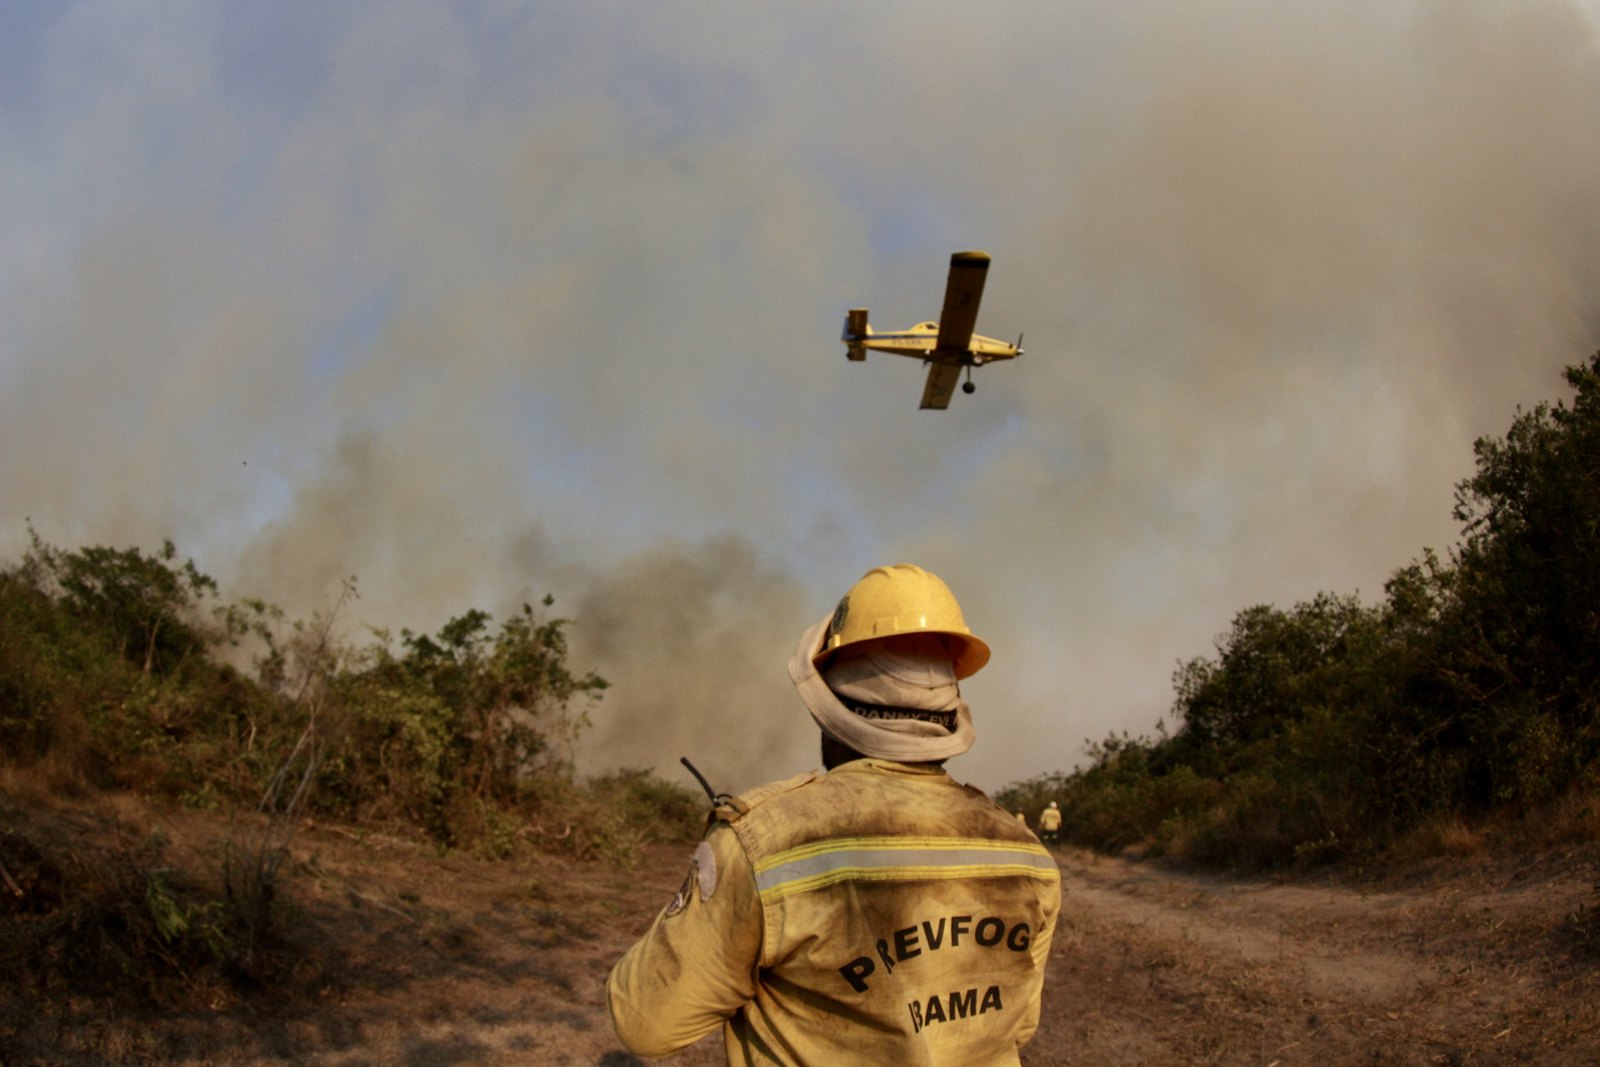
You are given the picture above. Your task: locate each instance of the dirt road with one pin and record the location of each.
(1152, 966)
(412, 959)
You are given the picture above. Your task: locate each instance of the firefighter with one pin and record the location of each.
(1050, 823)
(877, 912)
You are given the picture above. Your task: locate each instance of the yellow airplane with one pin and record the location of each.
(947, 345)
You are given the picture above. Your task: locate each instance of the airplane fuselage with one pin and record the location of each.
(922, 342)
(947, 346)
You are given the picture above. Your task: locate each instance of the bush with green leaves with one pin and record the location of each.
(1331, 729)
(452, 724)
(121, 923)
(110, 670)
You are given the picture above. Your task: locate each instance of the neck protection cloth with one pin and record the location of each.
(900, 740)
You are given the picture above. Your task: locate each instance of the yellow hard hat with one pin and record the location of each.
(903, 599)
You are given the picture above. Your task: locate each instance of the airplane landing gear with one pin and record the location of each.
(968, 388)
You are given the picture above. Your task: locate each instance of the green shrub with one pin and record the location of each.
(110, 672)
(1327, 731)
(662, 810)
(120, 923)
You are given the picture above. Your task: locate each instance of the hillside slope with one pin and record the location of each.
(394, 954)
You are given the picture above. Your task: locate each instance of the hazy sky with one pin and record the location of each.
(483, 301)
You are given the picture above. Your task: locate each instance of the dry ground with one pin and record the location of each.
(1473, 964)
(406, 957)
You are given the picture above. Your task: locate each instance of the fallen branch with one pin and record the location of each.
(367, 837)
(376, 903)
(14, 887)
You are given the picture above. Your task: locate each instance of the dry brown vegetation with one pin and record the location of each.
(388, 950)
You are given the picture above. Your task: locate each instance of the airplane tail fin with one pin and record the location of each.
(855, 329)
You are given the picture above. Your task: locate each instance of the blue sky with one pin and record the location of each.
(480, 301)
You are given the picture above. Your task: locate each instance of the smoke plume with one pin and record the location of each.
(479, 303)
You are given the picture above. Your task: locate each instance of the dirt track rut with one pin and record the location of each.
(1155, 966)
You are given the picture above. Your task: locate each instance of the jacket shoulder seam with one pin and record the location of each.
(735, 808)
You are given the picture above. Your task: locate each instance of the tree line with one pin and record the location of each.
(122, 669)
(1335, 728)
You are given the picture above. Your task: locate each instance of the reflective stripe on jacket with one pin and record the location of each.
(879, 913)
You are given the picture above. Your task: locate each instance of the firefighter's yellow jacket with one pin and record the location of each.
(880, 913)
(1050, 819)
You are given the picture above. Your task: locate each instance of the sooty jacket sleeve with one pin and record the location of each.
(696, 966)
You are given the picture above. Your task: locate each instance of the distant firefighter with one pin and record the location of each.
(1022, 818)
(880, 912)
(1050, 824)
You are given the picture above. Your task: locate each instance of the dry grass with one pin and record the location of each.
(385, 949)
(389, 950)
(1439, 836)
(1451, 963)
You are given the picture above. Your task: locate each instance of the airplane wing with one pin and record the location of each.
(942, 378)
(962, 294)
